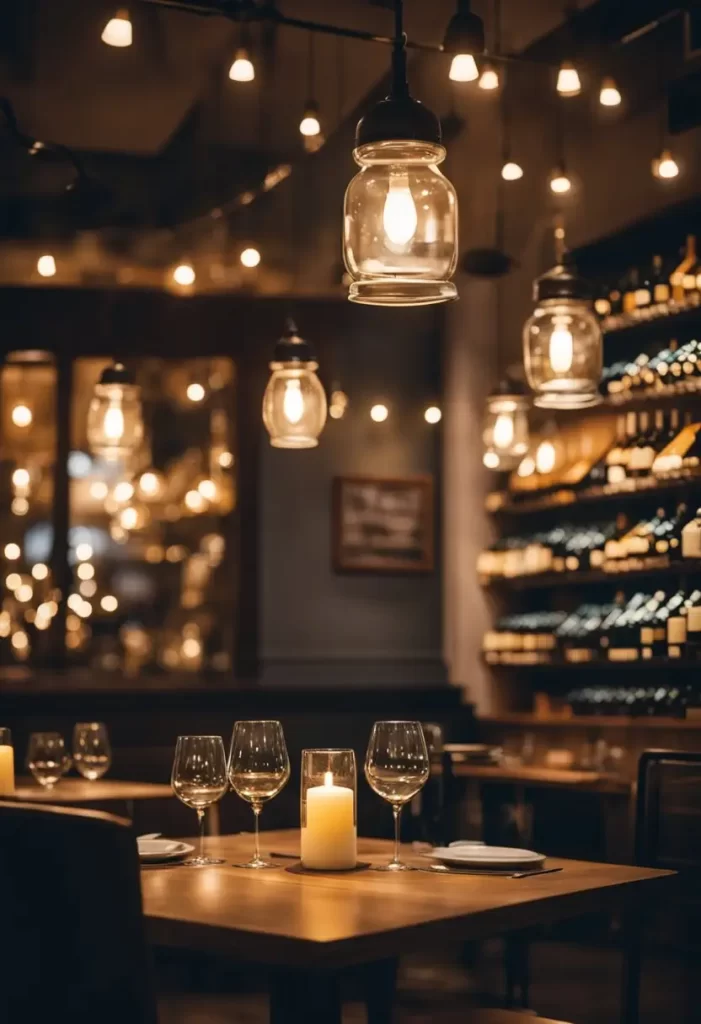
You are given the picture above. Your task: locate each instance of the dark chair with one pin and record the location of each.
(70, 905)
(668, 835)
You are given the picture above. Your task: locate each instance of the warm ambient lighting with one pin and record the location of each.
(463, 68)
(379, 413)
(184, 275)
(250, 257)
(338, 404)
(489, 79)
(40, 571)
(545, 457)
(463, 39)
(12, 552)
(568, 82)
(46, 266)
(21, 478)
(665, 166)
(505, 433)
(21, 415)
(310, 123)
(610, 95)
(195, 392)
(109, 603)
(117, 31)
(242, 69)
(560, 182)
(433, 414)
(115, 425)
(83, 552)
(511, 171)
(294, 403)
(151, 484)
(562, 342)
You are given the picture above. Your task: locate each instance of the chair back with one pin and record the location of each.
(70, 910)
(668, 810)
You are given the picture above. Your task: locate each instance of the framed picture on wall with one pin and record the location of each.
(383, 525)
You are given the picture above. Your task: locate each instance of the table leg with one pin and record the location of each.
(632, 957)
(305, 997)
(380, 990)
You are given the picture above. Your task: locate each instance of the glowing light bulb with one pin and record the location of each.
(46, 265)
(665, 166)
(561, 350)
(242, 69)
(20, 641)
(85, 571)
(433, 414)
(568, 82)
(463, 68)
(83, 552)
(195, 502)
(184, 275)
(293, 401)
(117, 31)
(208, 489)
(20, 478)
(338, 405)
(21, 415)
(24, 593)
(489, 79)
(19, 507)
(123, 491)
(128, 518)
(511, 171)
(195, 392)
(113, 425)
(504, 430)
(13, 580)
(109, 603)
(490, 460)
(250, 257)
(610, 95)
(98, 490)
(559, 182)
(12, 552)
(310, 125)
(545, 457)
(399, 217)
(226, 460)
(526, 467)
(88, 588)
(149, 484)
(40, 571)
(379, 413)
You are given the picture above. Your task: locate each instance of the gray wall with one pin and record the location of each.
(319, 626)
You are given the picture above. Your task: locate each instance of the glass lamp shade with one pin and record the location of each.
(400, 225)
(115, 426)
(294, 405)
(505, 432)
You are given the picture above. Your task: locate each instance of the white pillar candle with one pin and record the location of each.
(329, 837)
(7, 770)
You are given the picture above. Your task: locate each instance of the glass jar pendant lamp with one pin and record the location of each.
(562, 342)
(115, 426)
(400, 222)
(294, 403)
(505, 434)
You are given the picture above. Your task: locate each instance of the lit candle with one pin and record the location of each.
(329, 839)
(7, 770)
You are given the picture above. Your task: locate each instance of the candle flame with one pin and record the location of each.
(328, 778)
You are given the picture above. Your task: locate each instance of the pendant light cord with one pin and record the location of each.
(311, 75)
(400, 85)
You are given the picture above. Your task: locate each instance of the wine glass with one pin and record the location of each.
(396, 767)
(46, 758)
(92, 754)
(258, 770)
(199, 780)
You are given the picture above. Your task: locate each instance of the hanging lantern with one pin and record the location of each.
(115, 425)
(505, 433)
(562, 342)
(294, 403)
(400, 222)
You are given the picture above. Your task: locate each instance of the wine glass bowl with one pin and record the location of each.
(199, 780)
(397, 766)
(46, 758)
(92, 754)
(258, 770)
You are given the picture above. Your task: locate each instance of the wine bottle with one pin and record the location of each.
(693, 631)
(661, 292)
(663, 461)
(648, 623)
(619, 456)
(672, 610)
(691, 537)
(643, 296)
(680, 277)
(629, 301)
(642, 452)
(676, 632)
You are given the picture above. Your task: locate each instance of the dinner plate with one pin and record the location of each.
(157, 850)
(486, 857)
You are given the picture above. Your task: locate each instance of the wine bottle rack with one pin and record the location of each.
(584, 577)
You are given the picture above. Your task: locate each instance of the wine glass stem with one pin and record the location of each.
(200, 819)
(256, 815)
(397, 810)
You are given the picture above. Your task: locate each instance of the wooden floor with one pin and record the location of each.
(573, 982)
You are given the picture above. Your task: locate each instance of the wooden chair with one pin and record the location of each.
(70, 903)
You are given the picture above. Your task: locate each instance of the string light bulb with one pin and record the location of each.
(463, 39)
(489, 79)
(184, 275)
(195, 392)
(46, 265)
(250, 257)
(21, 415)
(294, 403)
(511, 171)
(463, 68)
(433, 415)
(560, 182)
(338, 404)
(545, 457)
(115, 426)
(665, 167)
(379, 413)
(609, 95)
(568, 80)
(242, 68)
(310, 123)
(118, 31)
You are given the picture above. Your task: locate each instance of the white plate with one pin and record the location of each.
(152, 850)
(486, 857)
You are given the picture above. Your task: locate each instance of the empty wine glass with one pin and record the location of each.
(46, 758)
(92, 754)
(396, 767)
(199, 780)
(258, 770)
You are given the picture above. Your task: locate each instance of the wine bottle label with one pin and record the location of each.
(691, 539)
(661, 546)
(676, 629)
(645, 458)
(623, 654)
(647, 636)
(571, 563)
(642, 297)
(646, 653)
(693, 620)
(662, 293)
(689, 282)
(671, 456)
(615, 474)
(596, 558)
(660, 634)
(674, 651)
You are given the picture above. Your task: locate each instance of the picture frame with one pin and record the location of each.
(383, 524)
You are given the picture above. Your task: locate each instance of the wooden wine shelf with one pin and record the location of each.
(529, 720)
(660, 326)
(503, 504)
(549, 580)
(600, 666)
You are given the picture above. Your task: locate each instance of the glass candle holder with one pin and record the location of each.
(329, 810)
(7, 763)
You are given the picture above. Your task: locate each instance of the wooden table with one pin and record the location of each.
(541, 776)
(82, 791)
(307, 927)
